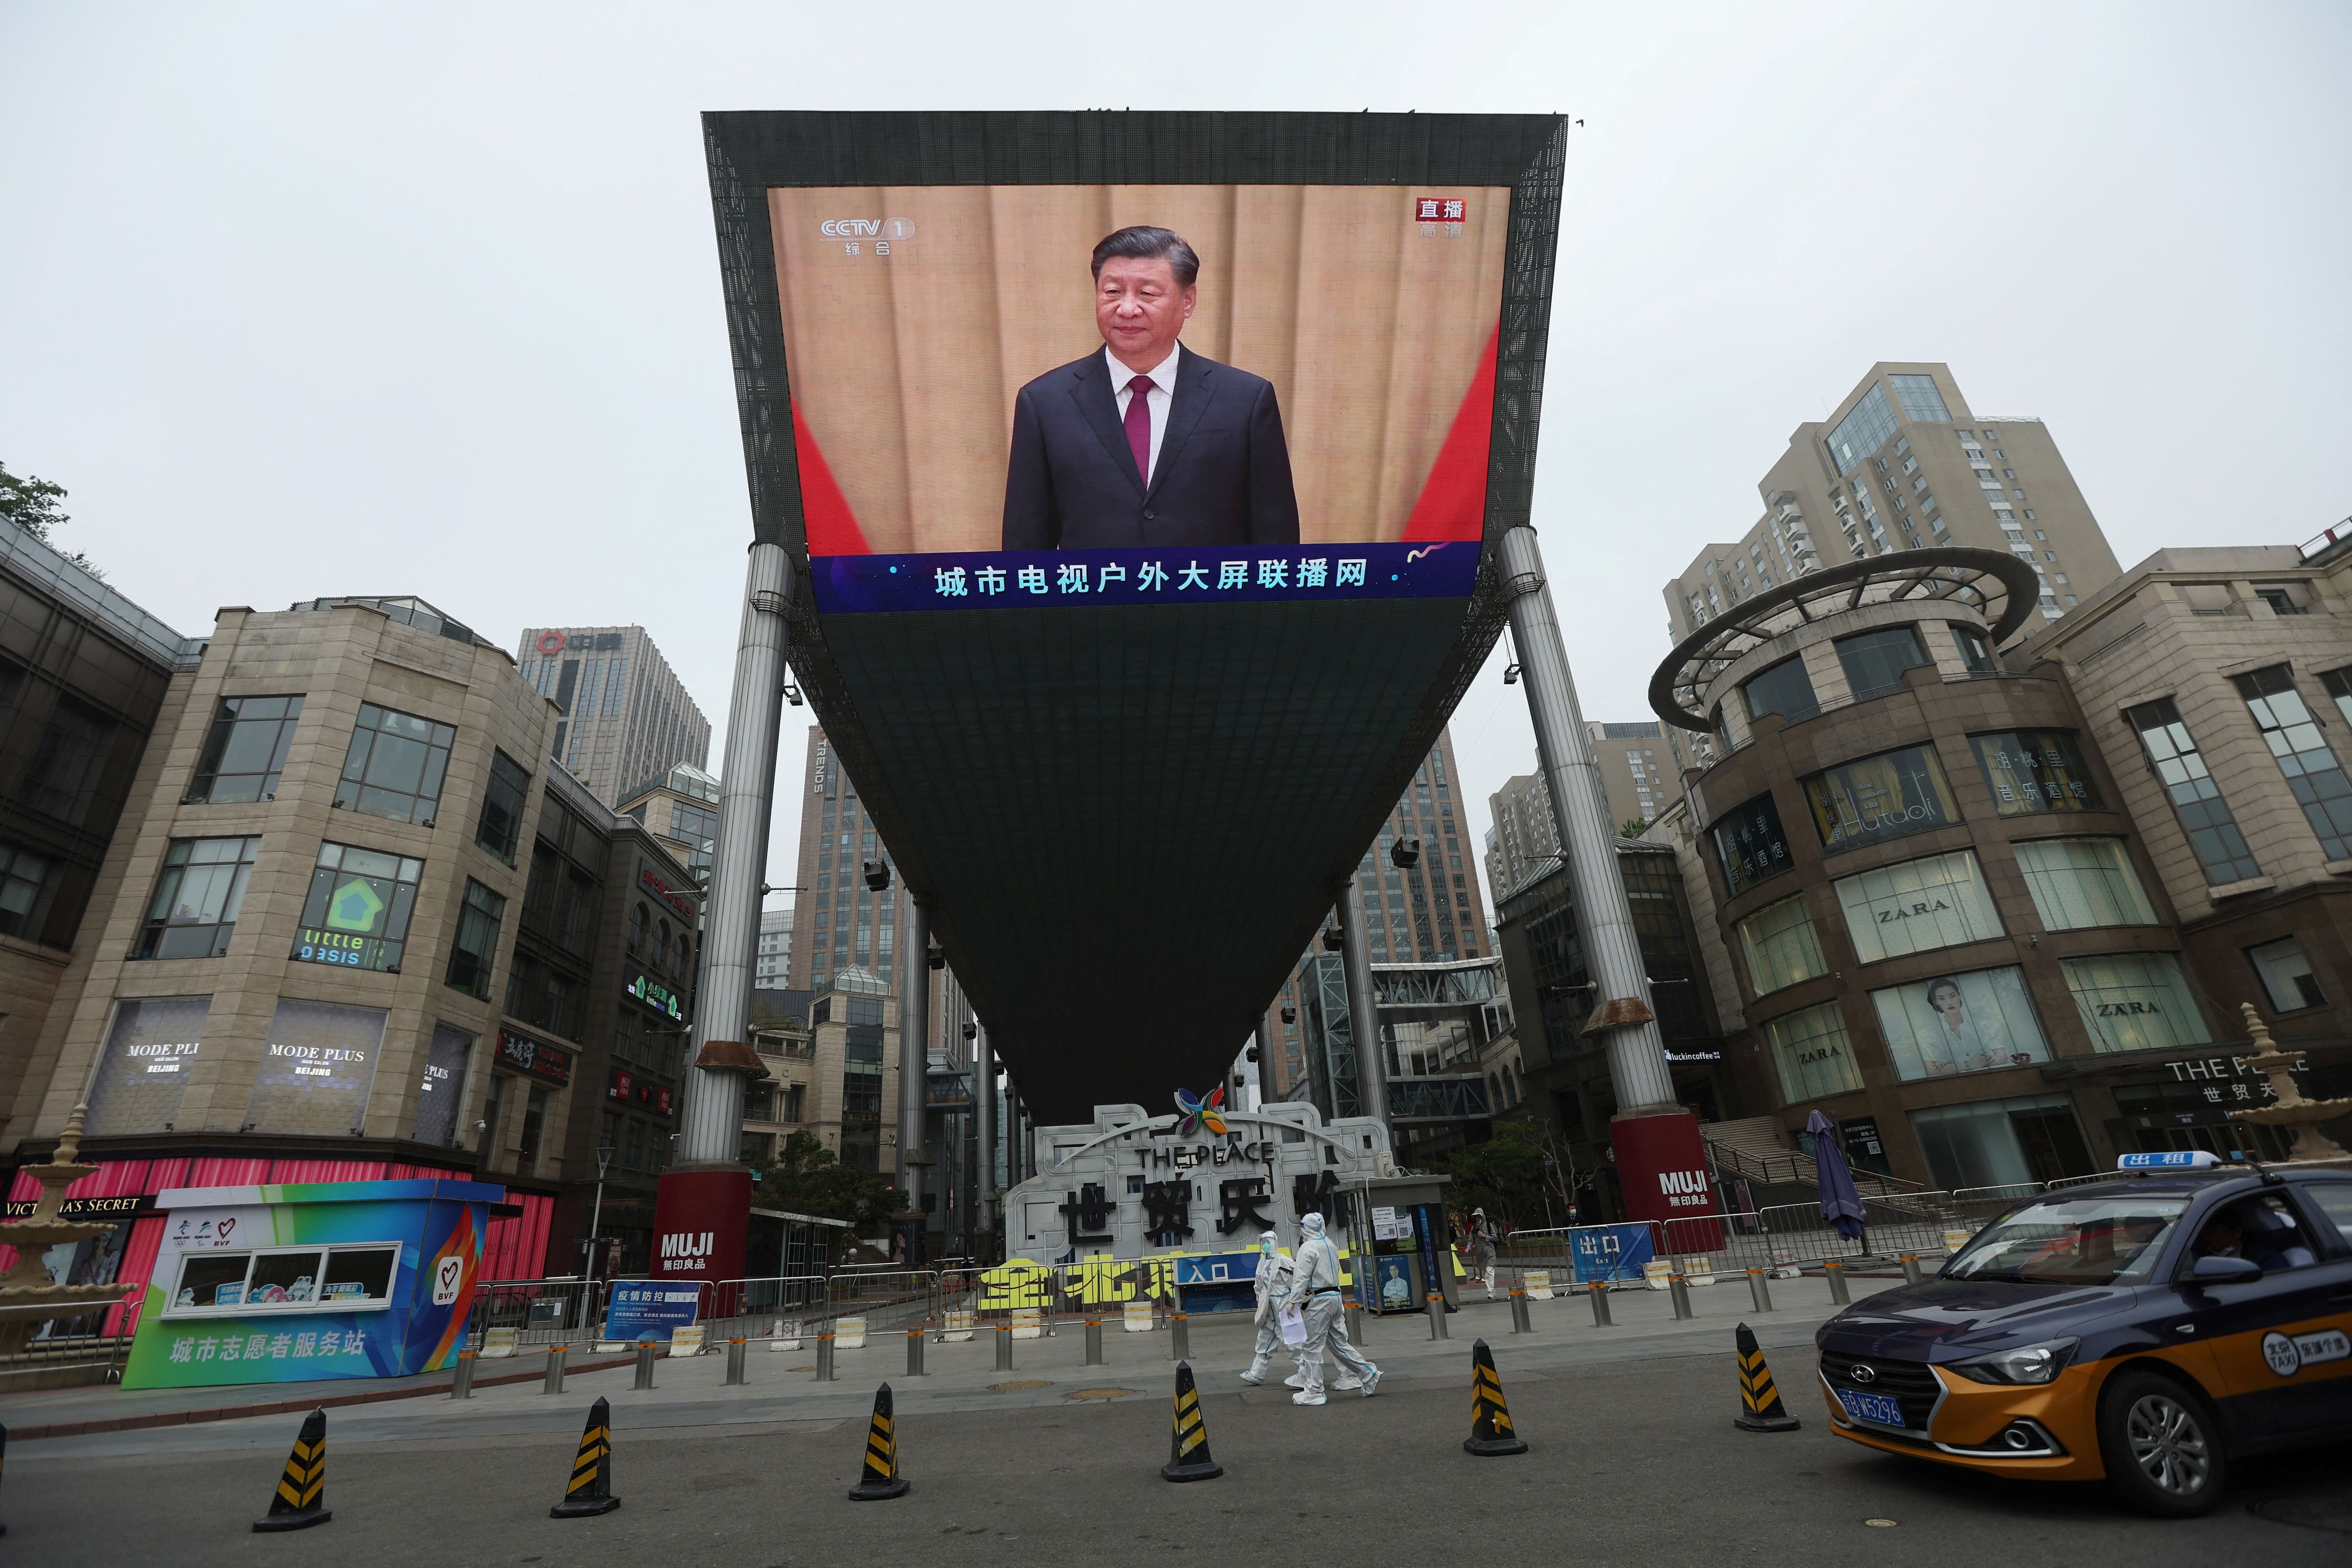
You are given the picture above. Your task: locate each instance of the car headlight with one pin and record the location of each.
(2025, 1364)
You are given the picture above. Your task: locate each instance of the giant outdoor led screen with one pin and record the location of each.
(1318, 368)
(1142, 474)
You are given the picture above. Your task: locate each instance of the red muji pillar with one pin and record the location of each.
(1662, 1168)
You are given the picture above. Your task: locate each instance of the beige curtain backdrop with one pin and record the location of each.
(1370, 324)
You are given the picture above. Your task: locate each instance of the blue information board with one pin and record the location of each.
(649, 1309)
(1611, 1252)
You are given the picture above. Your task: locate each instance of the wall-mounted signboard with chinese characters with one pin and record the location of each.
(293, 1283)
(534, 1059)
(644, 988)
(1131, 1185)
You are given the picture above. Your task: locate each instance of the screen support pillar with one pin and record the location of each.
(984, 1089)
(1663, 1154)
(702, 1208)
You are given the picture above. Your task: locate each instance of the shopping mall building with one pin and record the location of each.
(308, 900)
(1994, 907)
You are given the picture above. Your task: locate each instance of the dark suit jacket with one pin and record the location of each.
(1222, 478)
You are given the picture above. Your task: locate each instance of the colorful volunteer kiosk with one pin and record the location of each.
(304, 1281)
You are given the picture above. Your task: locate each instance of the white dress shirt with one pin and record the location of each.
(1162, 393)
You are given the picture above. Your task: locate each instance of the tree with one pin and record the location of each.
(1632, 827)
(1504, 1175)
(806, 1177)
(31, 503)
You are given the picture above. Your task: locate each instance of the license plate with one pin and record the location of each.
(1879, 1407)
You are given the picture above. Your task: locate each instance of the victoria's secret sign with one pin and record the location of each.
(524, 1055)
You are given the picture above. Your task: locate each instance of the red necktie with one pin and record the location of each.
(1139, 426)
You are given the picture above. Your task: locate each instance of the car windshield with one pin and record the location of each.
(2077, 1241)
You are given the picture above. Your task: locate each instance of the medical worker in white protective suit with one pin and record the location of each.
(1274, 1277)
(1317, 1290)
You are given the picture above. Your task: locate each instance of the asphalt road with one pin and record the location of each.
(1632, 1462)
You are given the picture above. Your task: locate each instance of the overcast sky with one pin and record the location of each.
(414, 299)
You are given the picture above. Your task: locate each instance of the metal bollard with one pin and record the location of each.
(1837, 1275)
(1093, 1342)
(645, 1363)
(1355, 1324)
(824, 1358)
(734, 1361)
(554, 1383)
(1760, 1293)
(1179, 1336)
(1601, 1319)
(913, 1353)
(1911, 1275)
(1678, 1291)
(1437, 1316)
(461, 1380)
(1005, 1347)
(1519, 1324)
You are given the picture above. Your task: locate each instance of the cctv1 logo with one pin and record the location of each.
(868, 229)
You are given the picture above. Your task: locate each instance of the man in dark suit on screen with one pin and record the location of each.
(1145, 444)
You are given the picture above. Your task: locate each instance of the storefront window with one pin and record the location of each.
(197, 898)
(151, 1052)
(1785, 688)
(476, 948)
(1878, 798)
(1874, 661)
(396, 765)
(357, 912)
(1752, 847)
(1960, 1023)
(443, 1092)
(2081, 883)
(2286, 975)
(245, 753)
(239, 1284)
(1917, 905)
(2003, 1143)
(1781, 946)
(2031, 770)
(1813, 1054)
(2134, 1001)
(316, 1069)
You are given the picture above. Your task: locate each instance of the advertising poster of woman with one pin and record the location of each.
(1960, 1023)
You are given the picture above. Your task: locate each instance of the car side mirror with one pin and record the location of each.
(2224, 1270)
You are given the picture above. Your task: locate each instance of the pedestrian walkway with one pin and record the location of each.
(779, 1387)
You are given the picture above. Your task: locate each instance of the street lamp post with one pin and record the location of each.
(596, 1214)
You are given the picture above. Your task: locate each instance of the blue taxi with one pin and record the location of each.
(2148, 1330)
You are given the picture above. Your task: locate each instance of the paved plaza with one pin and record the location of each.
(1633, 1459)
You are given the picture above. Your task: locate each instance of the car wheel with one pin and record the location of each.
(2161, 1444)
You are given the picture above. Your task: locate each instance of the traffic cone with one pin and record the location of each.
(300, 1500)
(881, 1479)
(591, 1492)
(1760, 1409)
(1188, 1444)
(1490, 1419)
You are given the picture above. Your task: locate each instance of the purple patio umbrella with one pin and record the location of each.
(1841, 1204)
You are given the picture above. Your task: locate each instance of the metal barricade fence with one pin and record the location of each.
(541, 1312)
(787, 1306)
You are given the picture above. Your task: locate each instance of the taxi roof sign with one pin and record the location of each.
(2170, 1159)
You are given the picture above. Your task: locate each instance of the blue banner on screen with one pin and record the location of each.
(1611, 1252)
(995, 579)
(649, 1309)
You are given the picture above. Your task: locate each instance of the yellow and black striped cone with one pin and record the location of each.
(591, 1489)
(881, 1479)
(1188, 1445)
(1490, 1419)
(1760, 1409)
(300, 1500)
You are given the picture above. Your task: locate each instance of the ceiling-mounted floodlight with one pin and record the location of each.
(1404, 854)
(1331, 942)
(878, 875)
